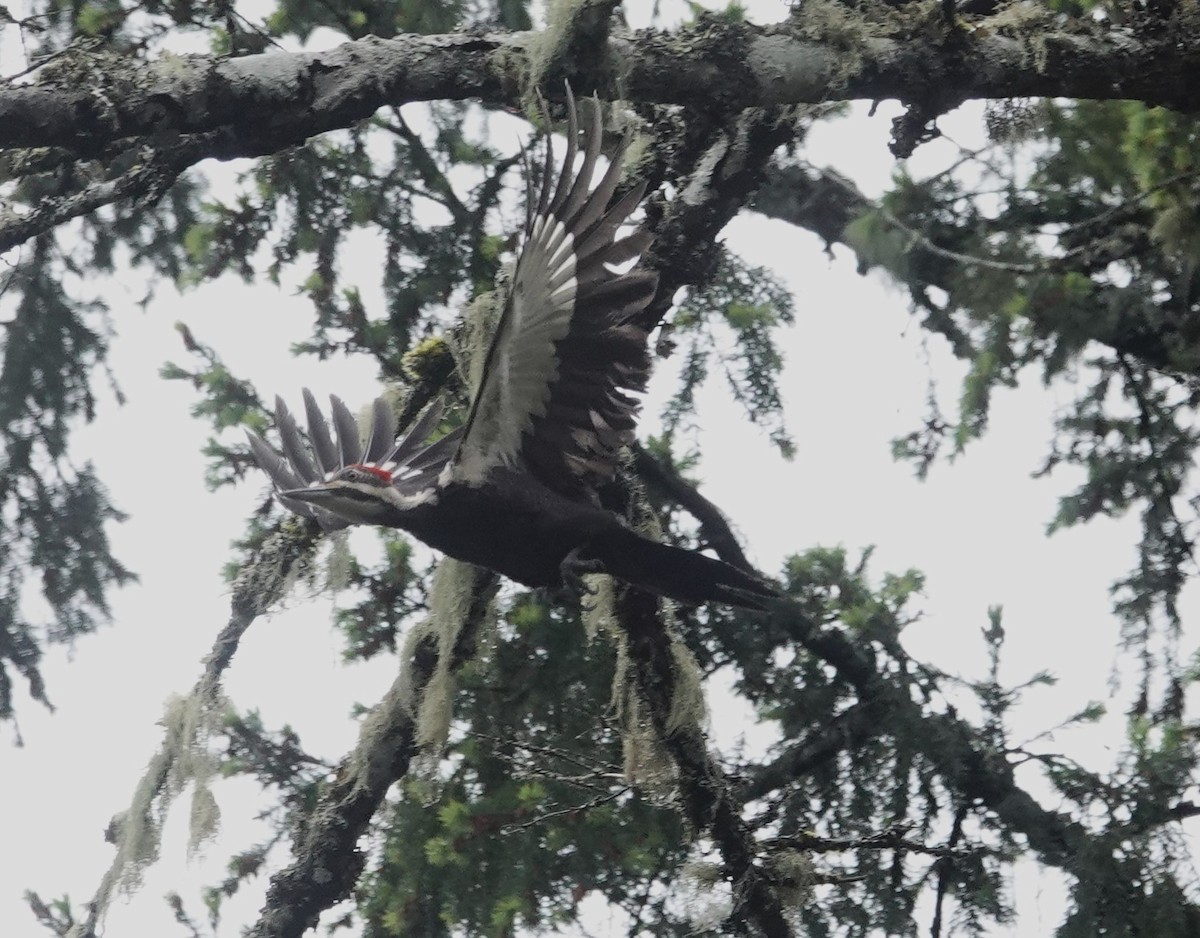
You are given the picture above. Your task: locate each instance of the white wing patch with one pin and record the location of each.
(517, 385)
(554, 398)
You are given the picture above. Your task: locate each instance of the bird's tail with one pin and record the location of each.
(685, 575)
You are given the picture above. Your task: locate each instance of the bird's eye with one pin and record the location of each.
(366, 474)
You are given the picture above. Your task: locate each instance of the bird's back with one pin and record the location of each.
(513, 525)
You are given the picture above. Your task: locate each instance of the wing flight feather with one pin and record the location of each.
(568, 346)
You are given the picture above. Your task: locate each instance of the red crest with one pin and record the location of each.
(381, 474)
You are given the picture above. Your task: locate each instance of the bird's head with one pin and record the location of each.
(360, 494)
(354, 481)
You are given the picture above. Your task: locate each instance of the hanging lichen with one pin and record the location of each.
(646, 763)
(457, 588)
(689, 711)
(703, 891)
(183, 759)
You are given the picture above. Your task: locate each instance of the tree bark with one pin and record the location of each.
(824, 52)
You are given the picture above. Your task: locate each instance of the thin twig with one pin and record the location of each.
(148, 181)
(573, 809)
(891, 839)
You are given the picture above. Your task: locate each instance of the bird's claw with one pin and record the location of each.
(573, 567)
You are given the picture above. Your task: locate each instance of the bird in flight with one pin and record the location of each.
(515, 488)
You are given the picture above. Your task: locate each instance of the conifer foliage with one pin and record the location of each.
(534, 752)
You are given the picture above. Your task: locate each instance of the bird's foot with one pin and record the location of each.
(573, 567)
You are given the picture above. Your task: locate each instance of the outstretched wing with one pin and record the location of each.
(554, 392)
(413, 467)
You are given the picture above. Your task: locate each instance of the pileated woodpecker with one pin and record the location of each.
(514, 489)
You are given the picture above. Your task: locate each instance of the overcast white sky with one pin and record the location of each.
(857, 367)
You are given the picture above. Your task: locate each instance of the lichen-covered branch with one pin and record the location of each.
(825, 52)
(825, 203)
(716, 171)
(975, 774)
(714, 529)
(148, 180)
(709, 801)
(182, 758)
(327, 861)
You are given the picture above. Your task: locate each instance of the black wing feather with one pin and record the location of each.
(569, 344)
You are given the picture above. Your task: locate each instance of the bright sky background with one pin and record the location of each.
(857, 370)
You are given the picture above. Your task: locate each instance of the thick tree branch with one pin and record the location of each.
(826, 52)
(259, 587)
(261, 103)
(818, 200)
(947, 741)
(148, 180)
(709, 800)
(825, 203)
(327, 861)
(714, 529)
(715, 172)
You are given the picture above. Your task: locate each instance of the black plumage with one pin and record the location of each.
(515, 488)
